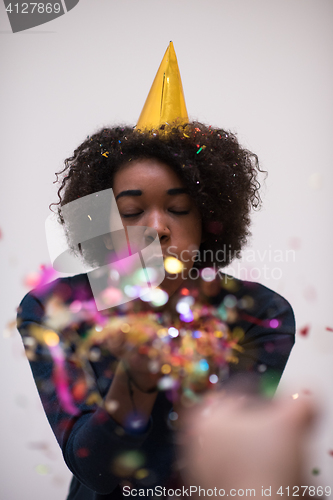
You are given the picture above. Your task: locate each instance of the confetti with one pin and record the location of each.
(80, 389)
(82, 452)
(9, 330)
(60, 378)
(41, 278)
(295, 243)
(126, 464)
(307, 392)
(166, 369)
(262, 368)
(200, 149)
(304, 330)
(173, 265)
(188, 342)
(141, 474)
(42, 469)
(111, 406)
(213, 379)
(51, 338)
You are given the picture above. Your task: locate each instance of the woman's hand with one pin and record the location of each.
(237, 442)
(141, 361)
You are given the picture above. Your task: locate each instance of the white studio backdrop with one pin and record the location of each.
(261, 68)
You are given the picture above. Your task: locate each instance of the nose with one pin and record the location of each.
(157, 221)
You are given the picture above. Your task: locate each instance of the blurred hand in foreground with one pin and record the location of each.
(245, 443)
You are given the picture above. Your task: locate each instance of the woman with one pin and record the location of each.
(194, 185)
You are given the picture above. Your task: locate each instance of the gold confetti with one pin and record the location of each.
(166, 369)
(141, 473)
(51, 338)
(173, 265)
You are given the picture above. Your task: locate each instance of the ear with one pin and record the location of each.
(108, 241)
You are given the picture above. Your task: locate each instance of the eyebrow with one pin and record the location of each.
(175, 191)
(129, 192)
(138, 192)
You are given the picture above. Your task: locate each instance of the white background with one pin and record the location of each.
(262, 68)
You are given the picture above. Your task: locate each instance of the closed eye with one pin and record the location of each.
(127, 216)
(176, 212)
(180, 212)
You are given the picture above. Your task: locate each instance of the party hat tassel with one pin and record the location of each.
(165, 102)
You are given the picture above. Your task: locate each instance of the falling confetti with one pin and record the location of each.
(41, 278)
(42, 469)
(9, 329)
(304, 330)
(173, 265)
(295, 243)
(188, 344)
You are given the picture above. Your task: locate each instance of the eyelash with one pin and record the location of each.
(183, 212)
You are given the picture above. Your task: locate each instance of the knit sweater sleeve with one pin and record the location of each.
(269, 327)
(91, 441)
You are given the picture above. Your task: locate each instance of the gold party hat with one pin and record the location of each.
(165, 102)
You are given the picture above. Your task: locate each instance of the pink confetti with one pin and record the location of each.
(295, 243)
(61, 381)
(41, 278)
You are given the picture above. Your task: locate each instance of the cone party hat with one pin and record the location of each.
(165, 102)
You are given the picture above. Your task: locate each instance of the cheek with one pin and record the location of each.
(193, 231)
(189, 233)
(190, 240)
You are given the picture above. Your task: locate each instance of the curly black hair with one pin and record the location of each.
(220, 175)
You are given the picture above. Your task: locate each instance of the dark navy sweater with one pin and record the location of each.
(91, 441)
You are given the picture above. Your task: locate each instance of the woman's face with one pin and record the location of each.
(149, 193)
